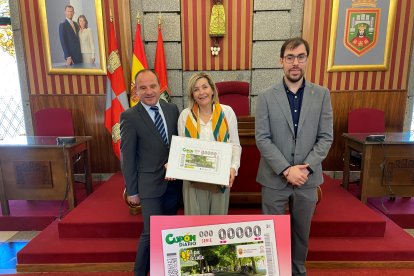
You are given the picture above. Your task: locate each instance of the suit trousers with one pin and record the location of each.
(301, 202)
(165, 205)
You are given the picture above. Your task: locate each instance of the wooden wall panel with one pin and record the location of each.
(236, 45)
(88, 117)
(384, 90)
(391, 102)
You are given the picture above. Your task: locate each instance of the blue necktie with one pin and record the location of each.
(159, 123)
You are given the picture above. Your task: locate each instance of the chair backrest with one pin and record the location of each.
(54, 122)
(366, 120)
(236, 95)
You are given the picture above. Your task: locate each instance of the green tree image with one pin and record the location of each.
(222, 260)
(199, 161)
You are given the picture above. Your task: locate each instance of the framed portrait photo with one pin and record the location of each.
(361, 35)
(73, 36)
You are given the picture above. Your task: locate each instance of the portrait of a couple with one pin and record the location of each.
(73, 35)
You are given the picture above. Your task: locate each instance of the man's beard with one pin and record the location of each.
(296, 79)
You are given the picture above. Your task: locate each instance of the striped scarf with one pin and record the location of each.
(219, 124)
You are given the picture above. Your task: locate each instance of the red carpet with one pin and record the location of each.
(400, 210)
(36, 215)
(100, 230)
(88, 220)
(341, 215)
(310, 272)
(361, 272)
(113, 273)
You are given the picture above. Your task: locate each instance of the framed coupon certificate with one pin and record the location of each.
(201, 161)
(243, 248)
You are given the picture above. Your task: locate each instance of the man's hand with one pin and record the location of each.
(232, 177)
(69, 61)
(297, 175)
(134, 200)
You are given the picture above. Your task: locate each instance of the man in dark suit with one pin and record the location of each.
(293, 134)
(69, 39)
(144, 153)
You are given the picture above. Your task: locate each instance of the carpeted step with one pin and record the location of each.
(340, 214)
(105, 215)
(400, 210)
(118, 243)
(395, 245)
(36, 215)
(48, 248)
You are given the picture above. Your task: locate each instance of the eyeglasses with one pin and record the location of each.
(291, 58)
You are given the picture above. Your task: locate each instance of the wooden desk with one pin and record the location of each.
(36, 168)
(387, 167)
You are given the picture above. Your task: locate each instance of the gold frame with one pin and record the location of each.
(362, 67)
(101, 44)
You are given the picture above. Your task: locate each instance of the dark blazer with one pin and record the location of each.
(70, 41)
(143, 150)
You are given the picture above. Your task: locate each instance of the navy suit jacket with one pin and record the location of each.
(143, 150)
(70, 41)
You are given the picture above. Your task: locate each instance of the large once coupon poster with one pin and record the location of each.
(198, 160)
(247, 248)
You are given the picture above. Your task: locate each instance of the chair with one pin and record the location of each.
(53, 122)
(364, 120)
(56, 122)
(236, 95)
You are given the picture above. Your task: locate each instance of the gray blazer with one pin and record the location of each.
(275, 137)
(143, 152)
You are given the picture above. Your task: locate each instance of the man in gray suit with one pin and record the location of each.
(144, 153)
(293, 134)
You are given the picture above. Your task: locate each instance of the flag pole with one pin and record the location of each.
(139, 61)
(160, 65)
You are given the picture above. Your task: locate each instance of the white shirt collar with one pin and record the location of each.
(147, 107)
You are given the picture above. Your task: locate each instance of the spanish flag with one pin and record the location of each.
(139, 62)
(160, 66)
(116, 97)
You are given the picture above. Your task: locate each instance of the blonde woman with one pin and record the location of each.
(203, 116)
(86, 40)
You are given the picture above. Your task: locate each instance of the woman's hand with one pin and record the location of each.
(168, 178)
(232, 177)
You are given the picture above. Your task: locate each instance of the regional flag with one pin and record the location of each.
(139, 62)
(116, 97)
(160, 67)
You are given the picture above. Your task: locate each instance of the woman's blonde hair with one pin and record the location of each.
(192, 82)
